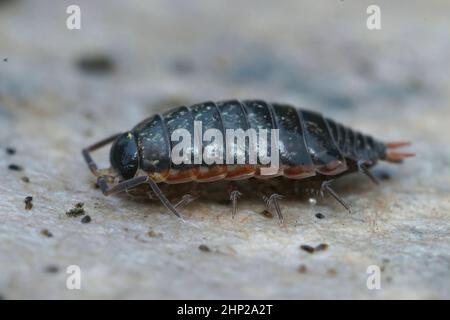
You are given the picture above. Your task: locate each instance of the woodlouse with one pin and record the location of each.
(314, 149)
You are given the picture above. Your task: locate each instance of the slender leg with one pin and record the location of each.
(363, 168)
(121, 186)
(87, 156)
(326, 187)
(134, 182)
(234, 195)
(162, 198)
(127, 184)
(273, 205)
(185, 200)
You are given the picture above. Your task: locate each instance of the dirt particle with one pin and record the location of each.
(98, 63)
(204, 248)
(86, 219)
(10, 150)
(307, 248)
(79, 205)
(267, 214)
(76, 211)
(302, 269)
(51, 269)
(321, 247)
(154, 234)
(46, 233)
(15, 167)
(5, 59)
(383, 175)
(25, 179)
(331, 272)
(28, 203)
(319, 215)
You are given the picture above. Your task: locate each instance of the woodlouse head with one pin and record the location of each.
(124, 155)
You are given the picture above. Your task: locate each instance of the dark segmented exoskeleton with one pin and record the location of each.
(312, 148)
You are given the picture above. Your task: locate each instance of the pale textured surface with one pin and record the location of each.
(392, 83)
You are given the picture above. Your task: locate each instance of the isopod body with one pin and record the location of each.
(311, 147)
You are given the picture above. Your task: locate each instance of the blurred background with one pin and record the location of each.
(61, 90)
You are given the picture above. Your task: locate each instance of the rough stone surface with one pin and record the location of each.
(61, 90)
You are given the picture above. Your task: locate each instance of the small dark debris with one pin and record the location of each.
(307, 248)
(319, 215)
(154, 234)
(79, 205)
(25, 179)
(384, 176)
(96, 64)
(332, 272)
(302, 269)
(76, 211)
(86, 219)
(47, 233)
(10, 150)
(51, 269)
(204, 248)
(15, 167)
(28, 203)
(321, 247)
(267, 214)
(5, 60)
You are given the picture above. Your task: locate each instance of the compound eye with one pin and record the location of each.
(124, 156)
